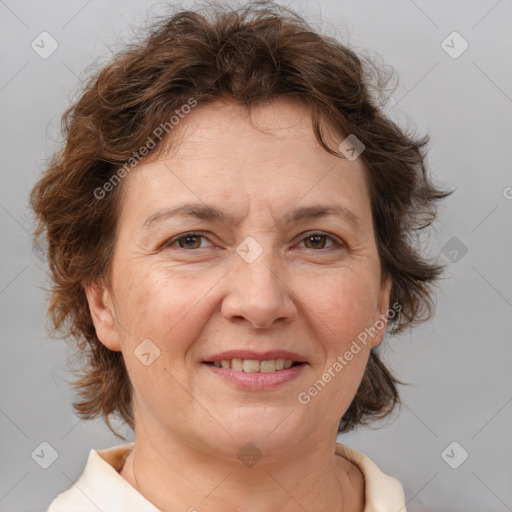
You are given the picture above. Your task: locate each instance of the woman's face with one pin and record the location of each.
(266, 271)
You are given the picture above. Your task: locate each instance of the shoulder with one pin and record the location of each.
(379, 488)
(101, 487)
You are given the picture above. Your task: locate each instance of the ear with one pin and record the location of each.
(381, 317)
(103, 314)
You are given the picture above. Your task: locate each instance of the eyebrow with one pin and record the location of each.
(206, 212)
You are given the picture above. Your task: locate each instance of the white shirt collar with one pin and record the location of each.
(101, 488)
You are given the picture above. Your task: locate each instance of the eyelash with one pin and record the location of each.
(172, 241)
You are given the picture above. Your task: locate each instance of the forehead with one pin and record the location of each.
(227, 130)
(266, 159)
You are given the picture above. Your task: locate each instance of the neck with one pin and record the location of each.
(174, 475)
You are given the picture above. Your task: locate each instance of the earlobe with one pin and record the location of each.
(103, 314)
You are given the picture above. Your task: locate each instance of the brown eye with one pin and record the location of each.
(190, 242)
(318, 241)
(187, 241)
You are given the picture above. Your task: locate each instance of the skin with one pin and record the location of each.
(312, 297)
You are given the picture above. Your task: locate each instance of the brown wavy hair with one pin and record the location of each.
(248, 55)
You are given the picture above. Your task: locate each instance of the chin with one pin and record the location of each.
(267, 432)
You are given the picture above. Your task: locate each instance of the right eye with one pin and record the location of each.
(187, 241)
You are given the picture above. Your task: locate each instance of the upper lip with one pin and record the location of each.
(260, 356)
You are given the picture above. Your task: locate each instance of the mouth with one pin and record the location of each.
(250, 361)
(255, 365)
(254, 374)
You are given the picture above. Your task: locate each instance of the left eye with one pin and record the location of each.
(317, 240)
(193, 241)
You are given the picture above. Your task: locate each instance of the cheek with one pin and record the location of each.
(166, 308)
(344, 310)
(161, 318)
(346, 304)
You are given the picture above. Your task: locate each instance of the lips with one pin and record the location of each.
(255, 374)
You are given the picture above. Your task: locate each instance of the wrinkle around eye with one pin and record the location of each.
(335, 242)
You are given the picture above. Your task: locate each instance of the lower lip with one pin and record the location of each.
(258, 380)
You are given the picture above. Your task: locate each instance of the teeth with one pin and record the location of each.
(268, 366)
(253, 365)
(237, 364)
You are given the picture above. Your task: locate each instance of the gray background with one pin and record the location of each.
(458, 363)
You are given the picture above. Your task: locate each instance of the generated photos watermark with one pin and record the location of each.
(156, 136)
(304, 397)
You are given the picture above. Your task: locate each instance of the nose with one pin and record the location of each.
(259, 294)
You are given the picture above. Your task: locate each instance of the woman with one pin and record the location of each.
(229, 228)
